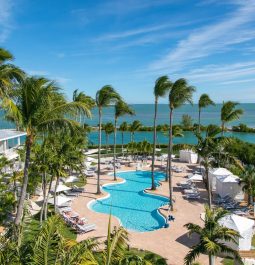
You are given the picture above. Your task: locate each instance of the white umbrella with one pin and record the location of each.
(91, 159)
(196, 177)
(59, 200)
(71, 179)
(61, 188)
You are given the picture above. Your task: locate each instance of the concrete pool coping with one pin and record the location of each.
(145, 191)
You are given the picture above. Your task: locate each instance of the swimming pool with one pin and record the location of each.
(127, 201)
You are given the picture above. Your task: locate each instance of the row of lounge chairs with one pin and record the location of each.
(229, 204)
(189, 189)
(80, 225)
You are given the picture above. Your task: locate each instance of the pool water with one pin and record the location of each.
(135, 209)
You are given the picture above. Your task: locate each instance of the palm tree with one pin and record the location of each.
(121, 109)
(180, 94)
(9, 74)
(229, 113)
(204, 101)
(207, 148)
(162, 86)
(38, 106)
(115, 244)
(248, 181)
(83, 98)
(108, 129)
(134, 126)
(123, 128)
(212, 237)
(104, 97)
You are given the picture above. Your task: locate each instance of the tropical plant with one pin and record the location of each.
(36, 106)
(104, 97)
(186, 121)
(212, 237)
(134, 126)
(203, 102)
(248, 182)
(229, 113)
(121, 108)
(123, 128)
(162, 86)
(179, 94)
(51, 246)
(10, 74)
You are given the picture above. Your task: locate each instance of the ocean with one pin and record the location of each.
(145, 113)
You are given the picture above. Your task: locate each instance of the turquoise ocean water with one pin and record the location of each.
(145, 112)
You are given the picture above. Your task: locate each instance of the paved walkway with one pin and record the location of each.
(171, 243)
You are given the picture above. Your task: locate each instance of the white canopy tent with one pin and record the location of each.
(229, 186)
(242, 225)
(196, 177)
(188, 156)
(217, 172)
(60, 200)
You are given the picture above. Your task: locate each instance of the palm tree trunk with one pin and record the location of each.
(114, 148)
(170, 149)
(222, 128)
(46, 199)
(167, 165)
(199, 119)
(122, 141)
(153, 187)
(99, 150)
(19, 214)
(55, 195)
(209, 190)
(211, 259)
(44, 185)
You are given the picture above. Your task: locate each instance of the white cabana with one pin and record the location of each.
(71, 179)
(60, 200)
(196, 177)
(242, 225)
(229, 185)
(217, 172)
(188, 156)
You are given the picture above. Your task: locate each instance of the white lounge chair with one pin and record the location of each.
(85, 228)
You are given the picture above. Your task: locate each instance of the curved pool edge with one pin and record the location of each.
(145, 191)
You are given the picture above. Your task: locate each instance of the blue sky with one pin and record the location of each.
(128, 44)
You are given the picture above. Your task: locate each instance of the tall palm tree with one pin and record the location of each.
(104, 97)
(38, 106)
(83, 98)
(123, 128)
(248, 181)
(9, 73)
(207, 148)
(134, 126)
(180, 94)
(108, 129)
(121, 109)
(229, 113)
(212, 237)
(204, 101)
(162, 86)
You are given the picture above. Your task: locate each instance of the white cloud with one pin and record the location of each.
(211, 39)
(5, 19)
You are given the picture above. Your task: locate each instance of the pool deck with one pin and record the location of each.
(172, 243)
